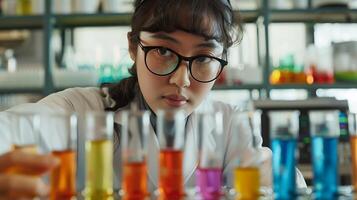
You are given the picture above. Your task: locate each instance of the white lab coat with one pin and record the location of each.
(80, 100)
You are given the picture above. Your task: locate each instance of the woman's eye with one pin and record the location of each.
(203, 59)
(163, 52)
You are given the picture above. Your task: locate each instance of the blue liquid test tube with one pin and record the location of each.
(324, 127)
(284, 127)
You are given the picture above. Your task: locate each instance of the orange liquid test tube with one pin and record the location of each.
(63, 177)
(353, 142)
(171, 177)
(134, 180)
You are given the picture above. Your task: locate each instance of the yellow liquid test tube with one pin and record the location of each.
(99, 169)
(247, 182)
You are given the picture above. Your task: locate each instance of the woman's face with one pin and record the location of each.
(178, 89)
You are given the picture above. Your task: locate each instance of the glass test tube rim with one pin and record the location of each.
(106, 132)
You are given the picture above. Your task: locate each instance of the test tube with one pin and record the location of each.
(211, 153)
(63, 142)
(25, 137)
(325, 131)
(247, 175)
(99, 155)
(26, 131)
(135, 126)
(171, 134)
(284, 128)
(352, 125)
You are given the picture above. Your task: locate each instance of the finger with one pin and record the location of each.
(18, 198)
(18, 186)
(32, 162)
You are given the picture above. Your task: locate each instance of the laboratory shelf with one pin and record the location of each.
(315, 86)
(21, 22)
(320, 15)
(248, 16)
(4, 91)
(238, 87)
(88, 20)
(121, 19)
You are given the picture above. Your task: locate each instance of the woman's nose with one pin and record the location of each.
(181, 77)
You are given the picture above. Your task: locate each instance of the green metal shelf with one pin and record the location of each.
(248, 16)
(21, 91)
(321, 15)
(21, 22)
(121, 19)
(287, 86)
(216, 87)
(315, 86)
(238, 87)
(85, 20)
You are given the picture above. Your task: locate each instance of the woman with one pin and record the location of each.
(179, 48)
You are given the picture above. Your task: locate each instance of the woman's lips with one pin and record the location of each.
(175, 100)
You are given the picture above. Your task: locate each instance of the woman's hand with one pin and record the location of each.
(28, 183)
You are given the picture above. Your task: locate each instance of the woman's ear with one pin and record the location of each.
(132, 47)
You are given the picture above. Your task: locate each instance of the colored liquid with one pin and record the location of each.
(99, 168)
(247, 182)
(23, 7)
(209, 182)
(134, 180)
(63, 177)
(353, 141)
(170, 174)
(284, 167)
(325, 166)
(30, 149)
(98, 197)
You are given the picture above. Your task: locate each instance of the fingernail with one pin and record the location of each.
(52, 161)
(43, 190)
(56, 161)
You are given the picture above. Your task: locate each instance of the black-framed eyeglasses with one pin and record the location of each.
(163, 61)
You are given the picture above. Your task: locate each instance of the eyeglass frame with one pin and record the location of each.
(190, 59)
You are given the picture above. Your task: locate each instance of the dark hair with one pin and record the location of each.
(212, 19)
